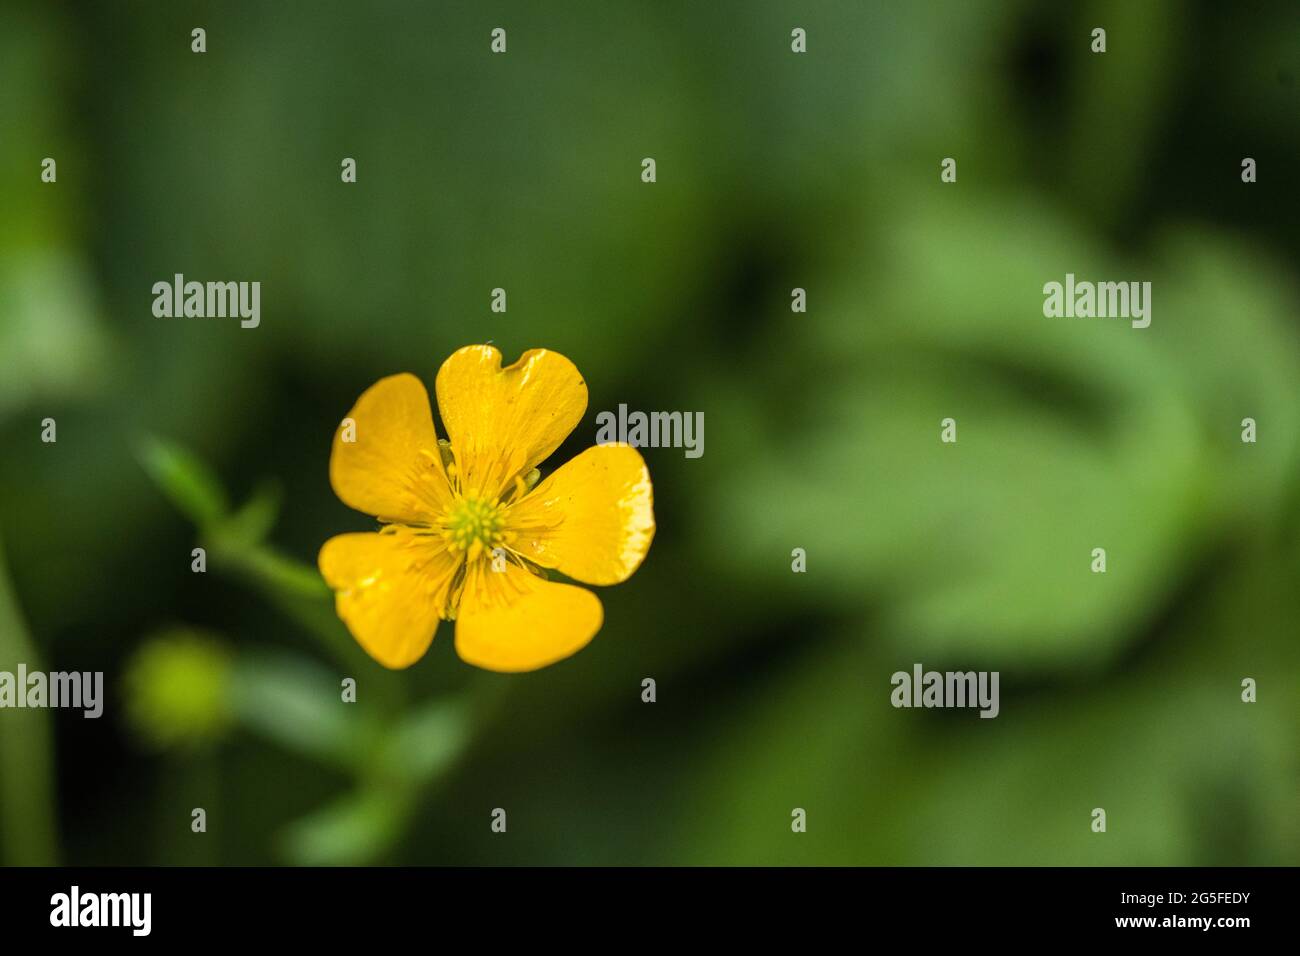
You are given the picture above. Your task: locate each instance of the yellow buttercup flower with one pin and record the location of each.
(468, 530)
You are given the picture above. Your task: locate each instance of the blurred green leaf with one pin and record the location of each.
(352, 831)
(51, 342)
(286, 576)
(298, 704)
(28, 824)
(427, 741)
(186, 481)
(252, 521)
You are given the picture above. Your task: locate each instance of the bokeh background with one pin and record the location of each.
(775, 171)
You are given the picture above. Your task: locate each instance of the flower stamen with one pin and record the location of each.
(473, 525)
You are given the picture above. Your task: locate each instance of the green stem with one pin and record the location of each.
(27, 827)
(294, 587)
(298, 590)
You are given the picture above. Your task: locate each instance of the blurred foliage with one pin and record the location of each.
(774, 171)
(1084, 432)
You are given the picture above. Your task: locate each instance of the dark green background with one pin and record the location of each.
(775, 170)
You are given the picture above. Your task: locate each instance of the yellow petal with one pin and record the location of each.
(514, 621)
(389, 587)
(503, 421)
(593, 519)
(392, 469)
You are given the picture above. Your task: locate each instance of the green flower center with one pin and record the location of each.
(473, 525)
